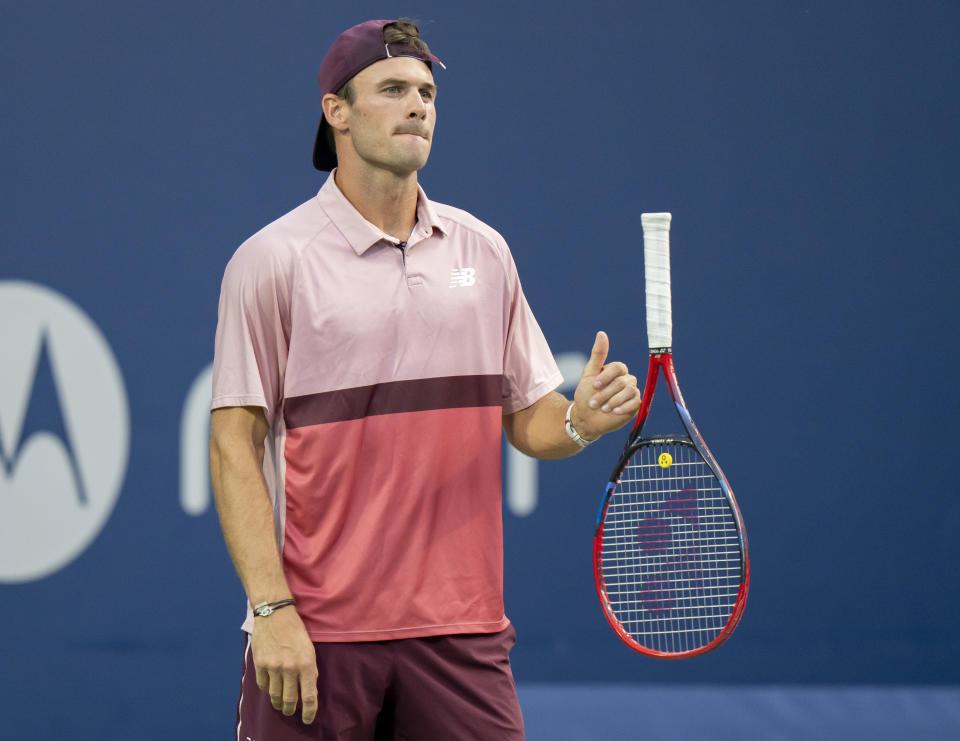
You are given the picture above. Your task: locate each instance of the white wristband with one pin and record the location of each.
(572, 433)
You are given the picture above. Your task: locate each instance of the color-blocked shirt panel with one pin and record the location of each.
(451, 304)
(403, 540)
(384, 374)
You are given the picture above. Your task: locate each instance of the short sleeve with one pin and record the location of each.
(250, 351)
(529, 370)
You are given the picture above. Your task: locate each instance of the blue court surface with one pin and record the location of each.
(771, 713)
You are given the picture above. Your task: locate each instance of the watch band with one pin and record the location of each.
(572, 433)
(266, 609)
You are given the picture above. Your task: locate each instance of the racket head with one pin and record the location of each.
(671, 563)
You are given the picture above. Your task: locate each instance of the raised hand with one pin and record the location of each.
(607, 396)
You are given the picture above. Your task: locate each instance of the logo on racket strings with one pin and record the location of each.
(64, 431)
(665, 534)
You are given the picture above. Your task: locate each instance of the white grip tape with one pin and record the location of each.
(656, 267)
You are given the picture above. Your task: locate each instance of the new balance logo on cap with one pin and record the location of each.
(462, 277)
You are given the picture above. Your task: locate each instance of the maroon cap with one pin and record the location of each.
(355, 50)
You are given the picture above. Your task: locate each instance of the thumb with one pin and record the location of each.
(598, 356)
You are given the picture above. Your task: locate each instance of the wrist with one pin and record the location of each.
(268, 590)
(266, 609)
(573, 431)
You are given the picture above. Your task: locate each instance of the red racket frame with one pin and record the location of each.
(663, 360)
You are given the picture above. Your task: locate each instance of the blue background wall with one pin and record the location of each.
(808, 153)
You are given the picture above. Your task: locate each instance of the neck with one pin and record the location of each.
(386, 200)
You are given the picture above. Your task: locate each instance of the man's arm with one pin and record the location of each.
(283, 653)
(606, 399)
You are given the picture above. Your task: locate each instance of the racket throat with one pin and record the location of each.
(660, 357)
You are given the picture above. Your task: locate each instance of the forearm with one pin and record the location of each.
(246, 518)
(539, 430)
(282, 651)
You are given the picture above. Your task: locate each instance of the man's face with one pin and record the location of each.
(392, 116)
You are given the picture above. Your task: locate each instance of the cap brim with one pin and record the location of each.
(324, 159)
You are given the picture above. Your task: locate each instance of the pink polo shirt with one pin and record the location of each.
(383, 373)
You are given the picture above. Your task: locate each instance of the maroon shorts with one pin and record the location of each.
(449, 688)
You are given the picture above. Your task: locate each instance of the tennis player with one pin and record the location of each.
(371, 345)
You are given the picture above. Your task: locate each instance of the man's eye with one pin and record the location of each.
(392, 89)
(426, 94)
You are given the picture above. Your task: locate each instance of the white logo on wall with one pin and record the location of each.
(64, 431)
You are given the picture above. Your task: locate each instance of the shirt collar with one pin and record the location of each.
(359, 232)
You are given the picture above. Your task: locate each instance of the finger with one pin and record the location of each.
(610, 372)
(621, 387)
(308, 693)
(602, 396)
(598, 355)
(263, 679)
(624, 402)
(291, 692)
(610, 382)
(276, 689)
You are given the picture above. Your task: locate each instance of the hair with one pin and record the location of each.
(403, 32)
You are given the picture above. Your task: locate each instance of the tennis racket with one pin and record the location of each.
(669, 552)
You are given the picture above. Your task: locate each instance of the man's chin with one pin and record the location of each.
(399, 161)
(408, 164)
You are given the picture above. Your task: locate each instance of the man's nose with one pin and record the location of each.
(418, 107)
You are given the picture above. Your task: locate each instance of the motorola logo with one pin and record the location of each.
(64, 431)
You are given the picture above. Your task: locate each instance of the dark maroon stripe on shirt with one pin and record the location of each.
(449, 392)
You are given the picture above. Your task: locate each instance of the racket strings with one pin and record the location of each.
(670, 553)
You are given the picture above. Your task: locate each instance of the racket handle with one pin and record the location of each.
(656, 269)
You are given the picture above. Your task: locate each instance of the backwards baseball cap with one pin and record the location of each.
(355, 50)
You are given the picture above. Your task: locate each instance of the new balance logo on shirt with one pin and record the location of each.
(462, 277)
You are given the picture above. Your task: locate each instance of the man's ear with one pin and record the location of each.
(336, 110)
